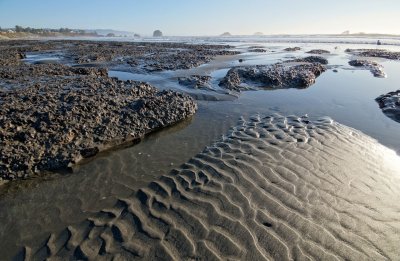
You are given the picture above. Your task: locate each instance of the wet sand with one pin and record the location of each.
(275, 187)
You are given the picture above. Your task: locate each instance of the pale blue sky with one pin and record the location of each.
(207, 17)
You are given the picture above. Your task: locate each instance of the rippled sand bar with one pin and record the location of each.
(273, 188)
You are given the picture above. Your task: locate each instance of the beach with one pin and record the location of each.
(310, 171)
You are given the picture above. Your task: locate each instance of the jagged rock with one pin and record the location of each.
(77, 119)
(53, 116)
(318, 51)
(375, 68)
(272, 76)
(390, 104)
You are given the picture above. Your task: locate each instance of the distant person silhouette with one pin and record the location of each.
(379, 42)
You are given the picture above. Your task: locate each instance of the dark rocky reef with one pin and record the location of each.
(318, 51)
(390, 104)
(52, 115)
(310, 59)
(375, 68)
(274, 76)
(375, 53)
(196, 81)
(125, 56)
(292, 49)
(52, 125)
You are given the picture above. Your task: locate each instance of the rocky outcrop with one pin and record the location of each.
(390, 104)
(279, 75)
(196, 81)
(375, 53)
(50, 126)
(375, 68)
(318, 51)
(53, 115)
(125, 56)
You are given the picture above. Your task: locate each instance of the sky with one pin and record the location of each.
(207, 17)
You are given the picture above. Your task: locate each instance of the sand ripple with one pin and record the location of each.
(274, 188)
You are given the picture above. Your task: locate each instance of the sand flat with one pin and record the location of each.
(273, 188)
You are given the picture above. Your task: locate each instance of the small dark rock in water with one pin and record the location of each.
(311, 59)
(292, 49)
(240, 60)
(318, 51)
(278, 75)
(375, 68)
(375, 53)
(335, 70)
(257, 50)
(390, 104)
(196, 81)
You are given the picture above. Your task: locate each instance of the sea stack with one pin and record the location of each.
(157, 33)
(226, 34)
